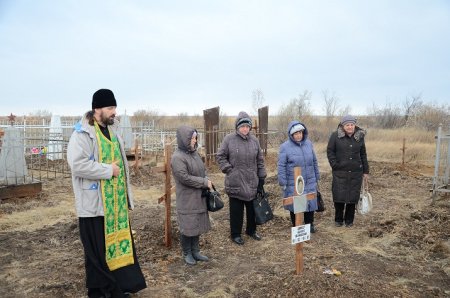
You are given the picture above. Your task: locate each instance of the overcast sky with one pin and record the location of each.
(186, 56)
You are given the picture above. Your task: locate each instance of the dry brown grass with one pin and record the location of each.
(34, 219)
(386, 145)
(412, 135)
(392, 151)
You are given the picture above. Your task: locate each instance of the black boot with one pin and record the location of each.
(309, 219)
(196, 250)
(186, 244)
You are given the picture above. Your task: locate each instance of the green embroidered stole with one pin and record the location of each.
(119, 246)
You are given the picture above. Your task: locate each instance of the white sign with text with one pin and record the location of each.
(300, 233)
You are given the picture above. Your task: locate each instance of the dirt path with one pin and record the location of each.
(401, 249)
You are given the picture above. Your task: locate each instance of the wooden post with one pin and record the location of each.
(403, 151)
(168, 191)
(298, 221)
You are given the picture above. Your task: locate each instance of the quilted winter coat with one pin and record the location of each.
(348, 160)
(242, 160)
(298, 154)
(190, 178)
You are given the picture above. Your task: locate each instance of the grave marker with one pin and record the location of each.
(300, 233)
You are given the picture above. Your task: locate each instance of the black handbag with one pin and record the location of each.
(320, 203)
(213, 201)
(263, 212)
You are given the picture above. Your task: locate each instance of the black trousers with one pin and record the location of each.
(308, 217)
(100, 281)
(344, 212)
(237, 217)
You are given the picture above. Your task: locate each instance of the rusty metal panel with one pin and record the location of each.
(263, 119)
(211, 117)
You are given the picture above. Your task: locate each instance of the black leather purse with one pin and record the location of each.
(263, 212)
(213, 201)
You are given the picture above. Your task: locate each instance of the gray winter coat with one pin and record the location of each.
(82, 157)
(348, 160)
(190, 178)
(242, 160)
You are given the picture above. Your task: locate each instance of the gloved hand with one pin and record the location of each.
(260, 189)
(228, 171)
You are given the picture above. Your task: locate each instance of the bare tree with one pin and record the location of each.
(411, 105)
(388, 116)
(257, 99)
(147, 118)
(297, 109)
(183, 117)
(345, 110)
(430, 116)
(301, 106)
(224, 121)
(40, 113)
(331, 104)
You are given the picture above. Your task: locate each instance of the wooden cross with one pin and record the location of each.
(298, 220)
(403, 151)
(166, 197)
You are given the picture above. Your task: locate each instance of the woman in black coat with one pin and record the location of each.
(347, 156)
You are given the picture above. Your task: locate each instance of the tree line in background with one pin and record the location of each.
(412, 112)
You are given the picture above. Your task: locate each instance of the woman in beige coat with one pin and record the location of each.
(190, 179)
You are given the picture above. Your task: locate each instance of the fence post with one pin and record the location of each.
(168, 190)
(403, 151)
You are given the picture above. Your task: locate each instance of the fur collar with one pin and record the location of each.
(358, 135)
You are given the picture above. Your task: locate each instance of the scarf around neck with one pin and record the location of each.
(118, 241)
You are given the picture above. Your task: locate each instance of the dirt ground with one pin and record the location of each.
(400, 249)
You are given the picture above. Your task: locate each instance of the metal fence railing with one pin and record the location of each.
(44, 147)
(441, 163)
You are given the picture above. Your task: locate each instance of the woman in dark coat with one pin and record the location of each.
(240, 157)
(347, 156)
(190, 179)
(298, 151)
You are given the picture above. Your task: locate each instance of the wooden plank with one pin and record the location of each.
(263, 119)
(20, 191)
(163, 197)
(298, 221)
(298, 247)
(290, 200)
(168, 188)
(211, 122)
